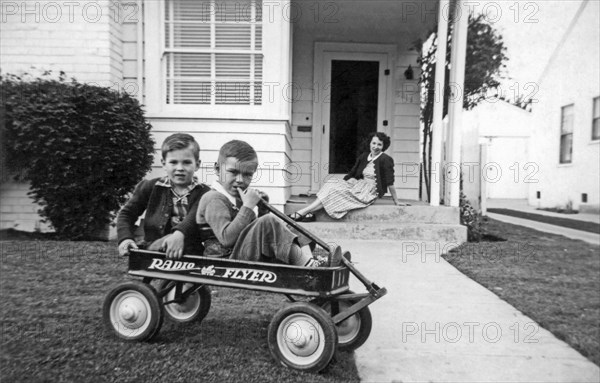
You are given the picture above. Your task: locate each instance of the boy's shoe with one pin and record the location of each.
(335, 256)
(347, 255)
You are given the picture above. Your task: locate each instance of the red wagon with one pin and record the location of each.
(324, 314)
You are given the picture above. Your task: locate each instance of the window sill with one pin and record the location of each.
(595, 142)
(220, 112)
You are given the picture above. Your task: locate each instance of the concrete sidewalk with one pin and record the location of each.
(521, 205)
(437, 325)
(545, 227)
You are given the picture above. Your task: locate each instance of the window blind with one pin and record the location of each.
(213, 52)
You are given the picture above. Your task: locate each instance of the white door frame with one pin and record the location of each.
(324, 54)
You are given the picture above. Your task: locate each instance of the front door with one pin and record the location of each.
(352, 105)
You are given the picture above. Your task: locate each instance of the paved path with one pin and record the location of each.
(545, 227)
(521, 205)
(437, 325)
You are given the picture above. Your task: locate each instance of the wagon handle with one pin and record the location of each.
(371, 287)
(294, 224)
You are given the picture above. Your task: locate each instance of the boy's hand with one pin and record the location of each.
(250, 197)
(262, 210)
(173, 245)
(125, 246)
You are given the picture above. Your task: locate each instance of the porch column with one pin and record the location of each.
(438, 107)
(455, 104)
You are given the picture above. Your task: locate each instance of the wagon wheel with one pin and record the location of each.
(195, 305)
(302, 336)
(354, 331)
(132, 311)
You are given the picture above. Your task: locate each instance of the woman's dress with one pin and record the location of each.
(341, 196)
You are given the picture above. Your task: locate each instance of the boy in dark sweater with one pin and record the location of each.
(229, 224)
(170, 203)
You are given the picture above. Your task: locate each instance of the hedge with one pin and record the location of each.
(82, 147)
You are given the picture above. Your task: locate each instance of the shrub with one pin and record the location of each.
(471, 218)
(82, 148)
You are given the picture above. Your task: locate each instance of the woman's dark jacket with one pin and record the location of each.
(384, 171)
(157, 201)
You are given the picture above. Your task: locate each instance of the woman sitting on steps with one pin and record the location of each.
(370, 177)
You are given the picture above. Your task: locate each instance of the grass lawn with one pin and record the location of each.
(550, 278)
(51, 326)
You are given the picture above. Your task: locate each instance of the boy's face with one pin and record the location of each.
(180, 166)
(234, 174)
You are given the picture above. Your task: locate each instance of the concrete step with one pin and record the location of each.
(390, 231)
(391, 214)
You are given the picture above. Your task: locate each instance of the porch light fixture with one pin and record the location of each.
(408, 74)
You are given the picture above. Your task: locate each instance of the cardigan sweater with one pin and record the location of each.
(157, 201)
(384, 171)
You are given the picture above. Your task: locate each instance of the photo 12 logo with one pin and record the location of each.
(69, 11)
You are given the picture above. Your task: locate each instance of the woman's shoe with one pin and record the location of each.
(297, 217)
(309, 217)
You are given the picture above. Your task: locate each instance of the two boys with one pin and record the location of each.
(226, 218)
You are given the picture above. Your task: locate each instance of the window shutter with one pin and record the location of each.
(212, 52)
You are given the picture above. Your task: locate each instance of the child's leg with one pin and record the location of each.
(268, 239)
(301, 256)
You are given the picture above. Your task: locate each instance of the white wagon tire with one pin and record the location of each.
(302, 336)
(194, 308)
(132, 311)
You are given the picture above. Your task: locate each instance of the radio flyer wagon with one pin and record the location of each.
(324, 315)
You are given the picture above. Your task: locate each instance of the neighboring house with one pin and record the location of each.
(495, 144)
(303, 82)
(549, 157)
(565, 136)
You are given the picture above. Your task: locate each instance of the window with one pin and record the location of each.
(596, 120)
(212, 52)
(566, 134)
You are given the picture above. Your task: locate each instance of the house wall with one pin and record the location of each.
(82, 39)
(270, 139)
(384, 23)
(572, 77)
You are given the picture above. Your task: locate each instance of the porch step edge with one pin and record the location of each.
(390, 231)
(391, 214)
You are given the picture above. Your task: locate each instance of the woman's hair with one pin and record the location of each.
(238, 149)
(382, 137)
(179, 141)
